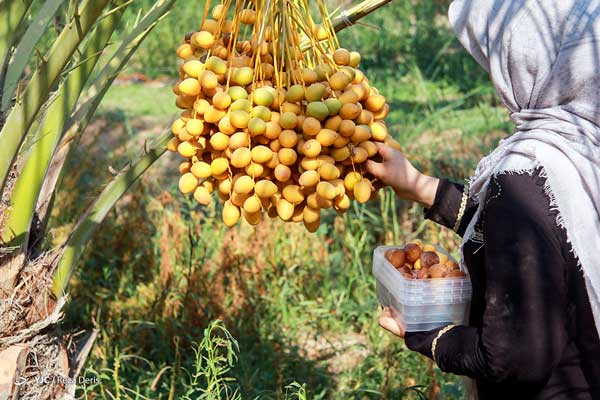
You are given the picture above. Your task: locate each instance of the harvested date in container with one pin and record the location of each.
(423, 285)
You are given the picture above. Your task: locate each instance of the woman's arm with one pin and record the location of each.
(524, 324)
(407, 181)
(441, 198)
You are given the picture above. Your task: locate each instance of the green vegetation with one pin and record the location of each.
(139, 100)
(50, 87)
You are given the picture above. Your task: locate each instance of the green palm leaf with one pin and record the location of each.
(12, 19)
(94, 95)
(23, 51)
(44, 78)
(93, 217)
(46, 138)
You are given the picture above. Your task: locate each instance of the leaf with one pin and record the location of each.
(117, 62)
(98, 88)
(44, 78)
(29, 182)
(95, 214)
(12, 17)
(25, 48)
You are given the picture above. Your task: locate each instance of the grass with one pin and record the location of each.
(136, 99)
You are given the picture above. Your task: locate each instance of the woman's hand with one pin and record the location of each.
(397, 172)
(387, 321)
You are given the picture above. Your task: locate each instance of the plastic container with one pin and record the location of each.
(421, 304)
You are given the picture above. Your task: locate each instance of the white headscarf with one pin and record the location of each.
(543, 57)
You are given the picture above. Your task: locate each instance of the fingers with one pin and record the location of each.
(378, 170)
(386, 312)
(389, 323)
(384, 150)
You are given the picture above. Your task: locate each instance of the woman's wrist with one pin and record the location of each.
(427, 188)
(422, 190)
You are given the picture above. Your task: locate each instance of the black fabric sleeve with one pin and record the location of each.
(421, 341)
(446, 205)
(524, 331)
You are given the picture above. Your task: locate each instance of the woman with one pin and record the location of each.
(530, 216)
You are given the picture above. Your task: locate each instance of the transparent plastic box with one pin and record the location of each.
(421, 304)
